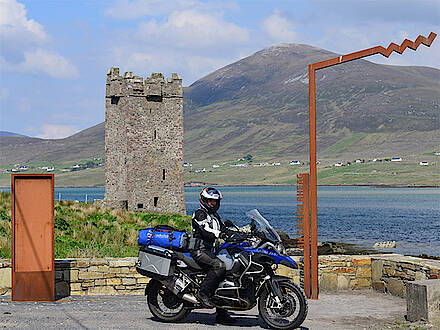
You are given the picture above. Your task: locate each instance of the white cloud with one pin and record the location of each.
(192, 28)
(126, 9)
(132, 9)
(191, 42)
(14, 23)
(278, 28)
(25, 45)
(56, 131)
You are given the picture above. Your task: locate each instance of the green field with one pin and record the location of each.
(84, 230)
(405, 173)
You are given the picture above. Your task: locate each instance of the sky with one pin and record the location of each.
(55, 54)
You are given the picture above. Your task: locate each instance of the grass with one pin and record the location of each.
(345, 142)
(85, 230)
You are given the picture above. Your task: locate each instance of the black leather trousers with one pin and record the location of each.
(215, 270)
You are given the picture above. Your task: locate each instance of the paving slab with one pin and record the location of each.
(338, 310)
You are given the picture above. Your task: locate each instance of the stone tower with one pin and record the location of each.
(144, 143)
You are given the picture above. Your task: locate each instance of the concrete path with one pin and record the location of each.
(339, 310)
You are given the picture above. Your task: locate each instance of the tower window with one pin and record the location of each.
(155, 134)
(155, 201)
(163, 174)
(114, 99)
(140, 205)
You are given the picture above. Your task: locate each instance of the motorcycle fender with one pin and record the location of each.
(280, 278)
(271, 284)
(149, 285)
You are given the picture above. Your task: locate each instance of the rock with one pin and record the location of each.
(385, 245)
(287, 241)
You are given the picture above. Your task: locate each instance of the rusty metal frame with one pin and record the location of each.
(312, 129)
(33, 272)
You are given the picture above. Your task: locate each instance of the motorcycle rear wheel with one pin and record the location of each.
(294, 310)
(164, 304)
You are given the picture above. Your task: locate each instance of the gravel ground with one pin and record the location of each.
(338, 310)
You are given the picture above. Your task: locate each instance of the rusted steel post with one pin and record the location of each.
(313, 186)
(33, 263)
(312, 125)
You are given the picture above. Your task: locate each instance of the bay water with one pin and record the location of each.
(358, 215)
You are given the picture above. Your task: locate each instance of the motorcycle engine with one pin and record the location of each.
(248, 291)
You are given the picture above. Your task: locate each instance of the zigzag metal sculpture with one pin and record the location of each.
(311, 251)
(377, 50)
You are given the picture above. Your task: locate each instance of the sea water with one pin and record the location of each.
(359, 215)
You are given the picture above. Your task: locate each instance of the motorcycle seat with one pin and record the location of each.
(188, 261)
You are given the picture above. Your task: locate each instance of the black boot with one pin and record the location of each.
(223, 317)
(204, 300)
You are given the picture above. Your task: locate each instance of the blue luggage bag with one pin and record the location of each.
(164, 236)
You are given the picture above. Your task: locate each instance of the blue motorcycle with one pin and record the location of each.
(250, 258)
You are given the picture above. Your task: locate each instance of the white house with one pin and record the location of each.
(50, 169)
(339, 164)
(423, 163)
(215, 166)
(295, 162)
(396, 159)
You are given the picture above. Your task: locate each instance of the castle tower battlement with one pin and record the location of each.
(144, 143)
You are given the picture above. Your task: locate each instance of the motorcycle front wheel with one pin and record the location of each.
(164, 304)
(292, 311)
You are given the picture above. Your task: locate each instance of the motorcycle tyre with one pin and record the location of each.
(154, 307)
(302, 305)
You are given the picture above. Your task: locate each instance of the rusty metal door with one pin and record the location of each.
(33, 268)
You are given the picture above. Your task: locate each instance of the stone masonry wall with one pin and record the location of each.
(144, 143)
(114, 276)
(390, 273)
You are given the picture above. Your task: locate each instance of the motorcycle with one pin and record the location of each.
(250, 260)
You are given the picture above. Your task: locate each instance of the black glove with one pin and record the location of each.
(237, 237)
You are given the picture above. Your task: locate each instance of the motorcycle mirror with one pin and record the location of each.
(228, 223)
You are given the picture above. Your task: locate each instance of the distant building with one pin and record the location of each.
(423, 163)
(396, 159)
(338, 164)
(295, 162)
(144, 143)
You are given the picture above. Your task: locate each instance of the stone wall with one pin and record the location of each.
(106, 276)
(144, 143)
(336, 272)
(391, 272)
(114, 276)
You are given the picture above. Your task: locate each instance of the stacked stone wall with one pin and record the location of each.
(390, 273)
(115, 276)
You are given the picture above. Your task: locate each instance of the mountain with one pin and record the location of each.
(259, 105)
(86, 144)
(6, 133)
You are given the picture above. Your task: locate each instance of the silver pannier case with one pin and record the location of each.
(154, 261)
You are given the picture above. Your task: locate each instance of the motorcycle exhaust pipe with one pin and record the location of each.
(187, 297)
(190, 298)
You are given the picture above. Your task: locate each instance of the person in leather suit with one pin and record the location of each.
(208, 226)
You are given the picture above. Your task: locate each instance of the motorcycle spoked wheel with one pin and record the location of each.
(293, 311)
(165, 305)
